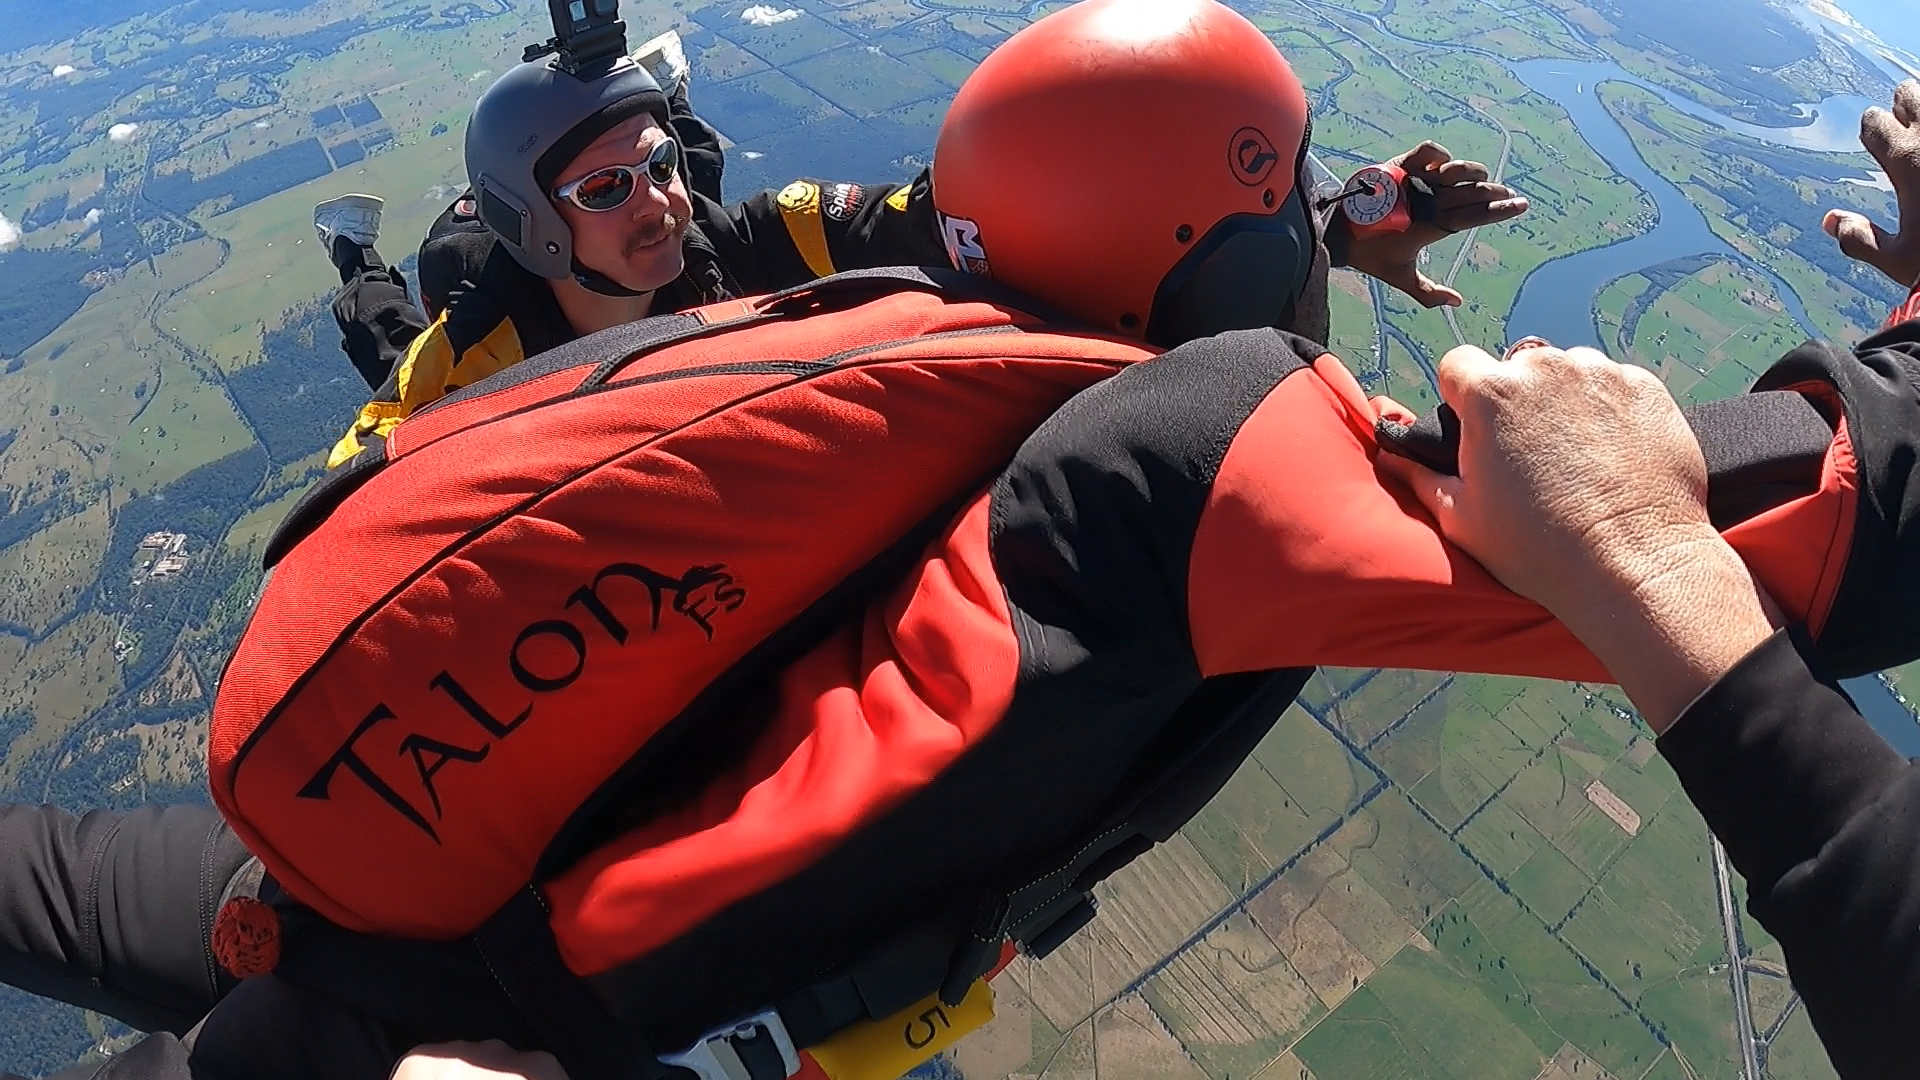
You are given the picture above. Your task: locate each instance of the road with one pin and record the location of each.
(1466, 242)
(1729, 915)
(1736, 966)
(1499, 169)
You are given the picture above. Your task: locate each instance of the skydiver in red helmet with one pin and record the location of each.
(156, 972)
(1166, 540)
(1059, 679)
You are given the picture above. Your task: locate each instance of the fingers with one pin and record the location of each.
(1585, 354)
(1536, 364)
(1429, 292)
(1896, 146)
(1582, 356)
(1474, 216)
(1435, 491)
(1424, 158)
(1525, 343)
(1859, 238)
(1476, 193)
(489, 1060)
(1878, 130)
(1470, 205)
(1386, 408)
(1551, 363)
(1454, 173)
(1906, 103)
(1462, 371)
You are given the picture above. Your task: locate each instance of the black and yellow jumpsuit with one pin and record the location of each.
(489, 313)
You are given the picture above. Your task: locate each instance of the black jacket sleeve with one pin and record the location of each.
(156, 1057)
(810, 229)
(700, 146)
(266, 1029)
(1874, 621)
(1823, 819)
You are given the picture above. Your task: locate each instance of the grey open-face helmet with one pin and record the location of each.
(526, 129)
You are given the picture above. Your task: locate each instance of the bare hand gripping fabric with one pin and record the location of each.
(796, 654)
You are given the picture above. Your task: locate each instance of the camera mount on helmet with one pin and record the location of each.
(537, 117)
(588, 35)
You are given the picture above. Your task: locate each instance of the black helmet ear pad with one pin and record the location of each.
(1249, 270)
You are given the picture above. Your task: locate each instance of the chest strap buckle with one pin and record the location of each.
(756, 1048)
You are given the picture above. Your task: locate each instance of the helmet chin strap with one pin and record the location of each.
(595, 281)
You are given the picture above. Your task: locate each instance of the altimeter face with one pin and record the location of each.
(1374, 194)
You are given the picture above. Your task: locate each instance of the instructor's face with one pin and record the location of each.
(637, 244)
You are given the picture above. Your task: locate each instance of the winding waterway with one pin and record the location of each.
(1556, 300)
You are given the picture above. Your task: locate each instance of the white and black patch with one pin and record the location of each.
(840, 201)
(964, 248)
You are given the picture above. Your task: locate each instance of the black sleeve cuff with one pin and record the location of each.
(1338, 237)
(1777, 758)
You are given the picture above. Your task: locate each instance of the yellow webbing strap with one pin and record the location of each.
(799, 204)
(427, 372)
(889, 1049)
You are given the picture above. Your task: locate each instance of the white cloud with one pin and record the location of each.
(262, 125)
(9, 233)
(876, 50)
(122, 132)
(61, 71)
(93, 216)
(768, 15)
(752, 155)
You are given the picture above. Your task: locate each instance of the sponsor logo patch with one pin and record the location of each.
(964, 249)
(799, 197)
(841, 201)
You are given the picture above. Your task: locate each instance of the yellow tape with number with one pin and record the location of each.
(889, 1049)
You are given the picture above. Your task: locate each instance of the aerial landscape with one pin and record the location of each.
(1418, 875)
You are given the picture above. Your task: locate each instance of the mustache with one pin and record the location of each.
(650, 233)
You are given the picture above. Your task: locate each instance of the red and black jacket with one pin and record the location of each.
(999, 709)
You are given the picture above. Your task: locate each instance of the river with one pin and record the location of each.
(1556, 300)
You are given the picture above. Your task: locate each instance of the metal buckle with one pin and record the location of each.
(716, 1055)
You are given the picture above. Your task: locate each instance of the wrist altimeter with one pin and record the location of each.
(1382, 199)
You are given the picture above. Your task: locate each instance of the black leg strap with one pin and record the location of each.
(573, 1024)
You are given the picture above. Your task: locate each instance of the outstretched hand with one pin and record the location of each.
(1582, 488)
(1464, 197)
(1893, 138)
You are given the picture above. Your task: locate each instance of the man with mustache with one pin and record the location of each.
(603, 187)
(578, 224)
(594, 202)
(379, 319)
(522, 774)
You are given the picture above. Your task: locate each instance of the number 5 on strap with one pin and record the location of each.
(889, 1049)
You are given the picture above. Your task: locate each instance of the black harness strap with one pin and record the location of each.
(571, 1021)
(1212, 734)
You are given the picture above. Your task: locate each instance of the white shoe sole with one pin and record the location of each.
(666, 58)
(355, 216)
